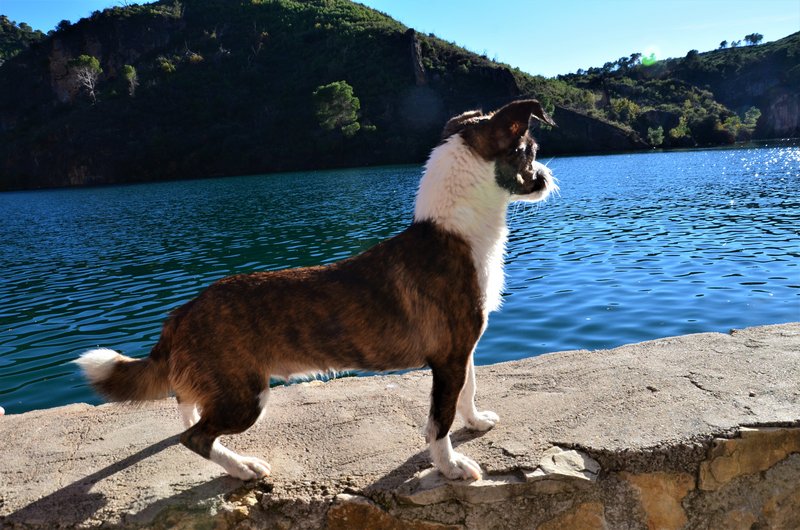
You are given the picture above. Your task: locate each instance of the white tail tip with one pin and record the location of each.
(97, 364)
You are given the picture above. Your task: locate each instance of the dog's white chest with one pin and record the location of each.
(489, 264)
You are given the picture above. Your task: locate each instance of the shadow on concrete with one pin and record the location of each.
(405, 471)
(76, 503)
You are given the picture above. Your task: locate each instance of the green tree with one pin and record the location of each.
(14, 39)
(733, 125)
(753, 38)
(337, 107)
(625, 110)
(131, 78)
(86, 71)
(748, 126)
(723, 45)
(681, 130)
(751, 117)
(655, 135)
(351, 129)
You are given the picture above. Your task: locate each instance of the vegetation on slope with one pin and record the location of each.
(708, 98)
(15, 38)
(193, 88)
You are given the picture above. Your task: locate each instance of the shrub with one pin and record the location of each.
(625, 110)
(131, 78)
(655, 136)
(681, 130)
(165, 64)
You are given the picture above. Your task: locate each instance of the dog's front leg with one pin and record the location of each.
(474, 419)
(448, 380)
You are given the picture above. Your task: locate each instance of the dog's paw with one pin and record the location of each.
(460, 467)
(482, 421)
(248, 468)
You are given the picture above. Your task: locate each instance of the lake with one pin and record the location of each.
(636, 246)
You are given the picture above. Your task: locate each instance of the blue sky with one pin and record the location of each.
(540, 37)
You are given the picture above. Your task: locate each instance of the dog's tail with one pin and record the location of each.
(121, 378)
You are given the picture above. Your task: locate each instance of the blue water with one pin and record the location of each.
(635, 247)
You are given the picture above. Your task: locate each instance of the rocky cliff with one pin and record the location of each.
(575, 127)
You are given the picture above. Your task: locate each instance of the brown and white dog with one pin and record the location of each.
(421, 298)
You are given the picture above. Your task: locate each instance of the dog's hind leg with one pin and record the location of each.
(473, 419)
(228, 416)
(189, 413)
(448, 379)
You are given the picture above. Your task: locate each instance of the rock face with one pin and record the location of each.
(420, 77)
(579, 133)
(700, 432)
(782, 115)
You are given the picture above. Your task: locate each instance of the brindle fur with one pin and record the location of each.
(410, 301)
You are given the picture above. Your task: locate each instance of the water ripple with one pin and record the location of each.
(636, 247)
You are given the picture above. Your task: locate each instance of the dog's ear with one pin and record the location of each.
(458, 123)
(511, 122)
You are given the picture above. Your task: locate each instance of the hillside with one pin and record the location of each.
(196, 88)
(226, 87)
(15, 38)
(708, 98)
(766, 76)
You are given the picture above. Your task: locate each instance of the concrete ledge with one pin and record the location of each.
(699, 431)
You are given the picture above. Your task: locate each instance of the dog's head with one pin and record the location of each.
(503, 137)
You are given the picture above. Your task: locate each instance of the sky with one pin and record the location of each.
(540, 37)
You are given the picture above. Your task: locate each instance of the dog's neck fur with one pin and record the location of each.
(458, 192)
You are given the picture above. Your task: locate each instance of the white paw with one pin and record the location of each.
(248, 468)
(482, 421)
(460, 467)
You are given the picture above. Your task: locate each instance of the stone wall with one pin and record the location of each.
(695, 432)
(750, 481)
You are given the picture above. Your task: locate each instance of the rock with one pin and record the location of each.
(580, 133)
(430, 487)
(565, 463)
(420, 78)
(661, 495)
(354, 511)
(587, 516)
(754, 451)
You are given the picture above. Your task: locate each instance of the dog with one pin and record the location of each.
(420, 298)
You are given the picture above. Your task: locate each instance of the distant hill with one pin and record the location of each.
(196, 88)
(707, 95)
